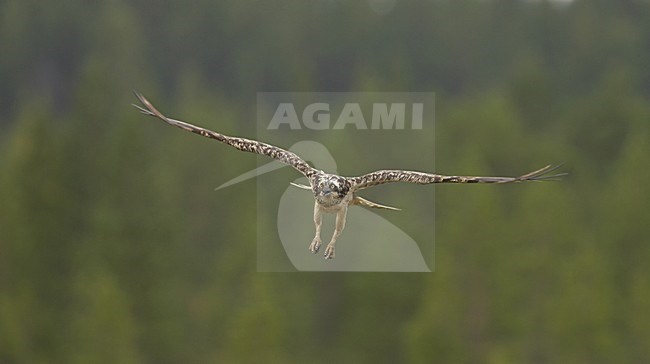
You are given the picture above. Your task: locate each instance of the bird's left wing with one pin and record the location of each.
(388, 176)
(246, 145)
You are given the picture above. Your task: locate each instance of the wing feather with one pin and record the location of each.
(388, 176)
(246, 145)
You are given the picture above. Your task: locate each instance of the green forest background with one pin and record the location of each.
(114, 248)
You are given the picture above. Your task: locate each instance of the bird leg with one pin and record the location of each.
(340, 224)
(318, 219)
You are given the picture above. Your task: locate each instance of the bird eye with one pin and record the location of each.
(332, 186)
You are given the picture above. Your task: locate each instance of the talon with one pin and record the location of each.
(314, 246)
(329, 252)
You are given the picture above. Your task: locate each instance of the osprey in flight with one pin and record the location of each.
(333, 193)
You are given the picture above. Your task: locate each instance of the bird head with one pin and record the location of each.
(330, 189)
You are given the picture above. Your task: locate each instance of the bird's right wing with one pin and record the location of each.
(246, 145)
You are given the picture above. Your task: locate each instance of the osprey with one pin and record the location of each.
(334, 193)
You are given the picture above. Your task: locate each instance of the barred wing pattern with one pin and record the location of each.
(388, 176)
(246, 145)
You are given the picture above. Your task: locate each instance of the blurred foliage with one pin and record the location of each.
(114, 248)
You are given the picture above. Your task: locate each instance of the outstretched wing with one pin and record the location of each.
(246, 145)
(387, 176)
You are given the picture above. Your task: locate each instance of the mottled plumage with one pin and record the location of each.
(333, 193)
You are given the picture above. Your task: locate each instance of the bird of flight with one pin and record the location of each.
(334, 193)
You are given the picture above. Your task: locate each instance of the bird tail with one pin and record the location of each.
(300, 186)
(365, 203)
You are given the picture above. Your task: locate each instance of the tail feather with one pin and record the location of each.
(365, 203)
(300, 186)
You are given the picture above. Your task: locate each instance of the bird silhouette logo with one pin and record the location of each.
(372, 243)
